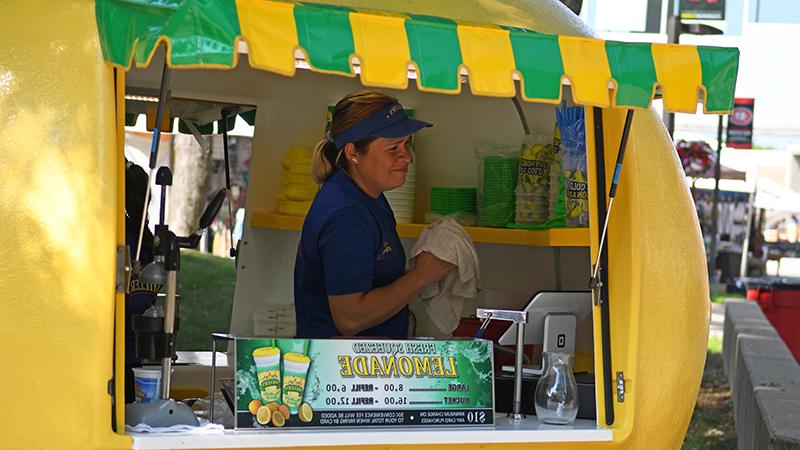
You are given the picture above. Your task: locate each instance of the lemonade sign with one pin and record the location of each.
(338, 382)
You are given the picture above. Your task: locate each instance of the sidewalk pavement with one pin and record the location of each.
(717, 319)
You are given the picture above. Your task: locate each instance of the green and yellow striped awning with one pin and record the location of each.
(438, 51)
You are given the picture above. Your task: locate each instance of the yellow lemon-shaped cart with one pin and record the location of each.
(65, 69)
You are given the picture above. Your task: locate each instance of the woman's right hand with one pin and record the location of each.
(354, 313)
(430, 268)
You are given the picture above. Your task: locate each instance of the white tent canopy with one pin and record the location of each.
(773, 196)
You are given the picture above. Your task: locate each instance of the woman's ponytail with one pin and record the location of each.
(323, 161)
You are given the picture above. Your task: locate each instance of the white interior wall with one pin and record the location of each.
(291, 111)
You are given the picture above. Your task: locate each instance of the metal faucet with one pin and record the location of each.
(520, 318)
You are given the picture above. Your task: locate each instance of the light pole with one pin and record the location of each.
(676, 27)
(712, 251)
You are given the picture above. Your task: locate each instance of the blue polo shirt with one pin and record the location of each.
(349, 244)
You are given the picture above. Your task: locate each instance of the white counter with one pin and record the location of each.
(504, 431)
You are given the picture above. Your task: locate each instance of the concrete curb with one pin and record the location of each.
(764, 379)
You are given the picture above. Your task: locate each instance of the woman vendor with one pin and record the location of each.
(350, 277)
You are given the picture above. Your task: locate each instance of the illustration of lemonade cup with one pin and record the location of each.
(268, 367)
(295, 369)
(292, 346)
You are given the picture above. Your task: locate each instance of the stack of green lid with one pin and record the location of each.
(499, 183)
(451, 200)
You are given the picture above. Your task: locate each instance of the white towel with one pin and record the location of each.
(444, 301)
(205, 427)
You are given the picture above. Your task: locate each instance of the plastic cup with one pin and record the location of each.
(532, 195)
(399, 193)
(295, 369)
(400, 202)
(402, 212)
(268, 367)
(147, 384)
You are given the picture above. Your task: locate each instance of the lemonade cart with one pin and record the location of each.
(64, 72)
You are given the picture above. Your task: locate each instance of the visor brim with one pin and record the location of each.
(405, 127)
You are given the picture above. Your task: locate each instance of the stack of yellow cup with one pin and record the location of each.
(297, 188)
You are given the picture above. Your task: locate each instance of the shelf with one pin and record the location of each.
(556, 237)
(505, 431)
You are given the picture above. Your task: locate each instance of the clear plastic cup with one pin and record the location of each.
(295, 369)
(268, 367)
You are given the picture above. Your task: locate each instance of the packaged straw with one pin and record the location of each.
(573, 149)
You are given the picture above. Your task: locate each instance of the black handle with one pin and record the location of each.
(162, 103)
(626, 131)
(212, 209)
(163, 179)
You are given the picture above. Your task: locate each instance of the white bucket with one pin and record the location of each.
(147, 383)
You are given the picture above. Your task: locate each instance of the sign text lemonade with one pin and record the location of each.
(418, 359)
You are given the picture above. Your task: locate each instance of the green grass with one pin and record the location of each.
(721, 298)
(205, 285)
(715, 344)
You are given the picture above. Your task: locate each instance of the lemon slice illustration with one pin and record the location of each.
(305, 413)
(278, 420)
(263, 415)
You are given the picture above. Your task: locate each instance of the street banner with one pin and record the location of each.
(740, 124)
(284, 383)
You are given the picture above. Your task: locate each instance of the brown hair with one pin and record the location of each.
(347, 112)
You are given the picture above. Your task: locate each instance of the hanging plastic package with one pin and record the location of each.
(533, 182)
(571, 123)
(556, 207)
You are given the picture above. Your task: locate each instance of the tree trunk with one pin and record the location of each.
(190, 184)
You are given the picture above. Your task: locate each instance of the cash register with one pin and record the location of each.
(555, 322)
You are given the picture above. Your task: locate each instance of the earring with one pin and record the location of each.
(355, 161)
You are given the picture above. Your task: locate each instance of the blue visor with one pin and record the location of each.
(390, 122)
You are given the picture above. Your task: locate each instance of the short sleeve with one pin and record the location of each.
(347, 247)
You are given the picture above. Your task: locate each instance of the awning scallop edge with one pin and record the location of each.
(205, 34)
